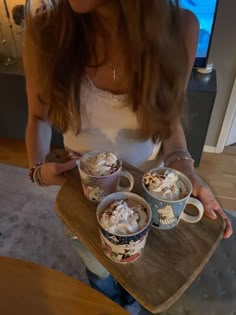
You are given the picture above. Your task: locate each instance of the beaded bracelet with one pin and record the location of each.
(186, 158)
(37, 176)
(176, 156)
(32, 170)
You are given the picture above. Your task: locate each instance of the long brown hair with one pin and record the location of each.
(59, 43)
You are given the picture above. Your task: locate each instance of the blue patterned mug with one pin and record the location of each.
(166, 214)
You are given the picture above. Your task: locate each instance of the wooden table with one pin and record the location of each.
(171, 259)
(30, 289)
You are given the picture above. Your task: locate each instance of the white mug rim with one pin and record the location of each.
(178, 173)
(99, 176)
(134, 198)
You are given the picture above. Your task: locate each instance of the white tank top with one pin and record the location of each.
(108, 124)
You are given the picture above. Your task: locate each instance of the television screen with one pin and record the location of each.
(205, 11)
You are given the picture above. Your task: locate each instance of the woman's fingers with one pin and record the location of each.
(211, 211)
(60, 168)
(228, 229)
(206, 197)
(74, 155)
(52, 173)
(228, 225)
(211, 207)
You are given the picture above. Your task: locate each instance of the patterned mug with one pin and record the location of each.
(166, 214)
(118, 247)
(95, 188)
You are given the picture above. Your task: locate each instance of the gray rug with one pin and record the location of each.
(31, 230)
(29, 226)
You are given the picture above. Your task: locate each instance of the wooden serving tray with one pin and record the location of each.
(171, 259)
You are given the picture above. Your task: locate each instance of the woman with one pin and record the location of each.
(111, 75)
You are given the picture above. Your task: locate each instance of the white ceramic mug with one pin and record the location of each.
(95, 188)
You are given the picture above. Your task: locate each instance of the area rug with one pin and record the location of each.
(29, 226)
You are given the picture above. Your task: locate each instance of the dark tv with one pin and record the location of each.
(205, 11)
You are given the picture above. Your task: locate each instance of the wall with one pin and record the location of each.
(223, 55)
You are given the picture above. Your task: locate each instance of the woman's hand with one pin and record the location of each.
(53, 173)
(202, 191)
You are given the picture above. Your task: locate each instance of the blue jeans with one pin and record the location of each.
(111, 288)
(101, 280)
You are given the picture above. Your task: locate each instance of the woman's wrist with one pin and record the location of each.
(179, 156)
(35, 174)
(182, 161)
(184, 166)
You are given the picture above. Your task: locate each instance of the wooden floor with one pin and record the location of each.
(219, 170)
(230, 149)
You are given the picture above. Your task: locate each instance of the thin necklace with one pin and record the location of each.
(115, 76)
(114, 73)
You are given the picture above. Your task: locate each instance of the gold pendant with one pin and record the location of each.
(115, 77)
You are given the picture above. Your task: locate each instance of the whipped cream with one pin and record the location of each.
(124, 217)
(101, 164)
(165, 186)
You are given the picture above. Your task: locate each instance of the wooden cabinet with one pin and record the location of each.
(13, 106)
(201, 95)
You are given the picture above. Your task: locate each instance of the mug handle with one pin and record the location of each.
(193, 219)
(130, 178)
